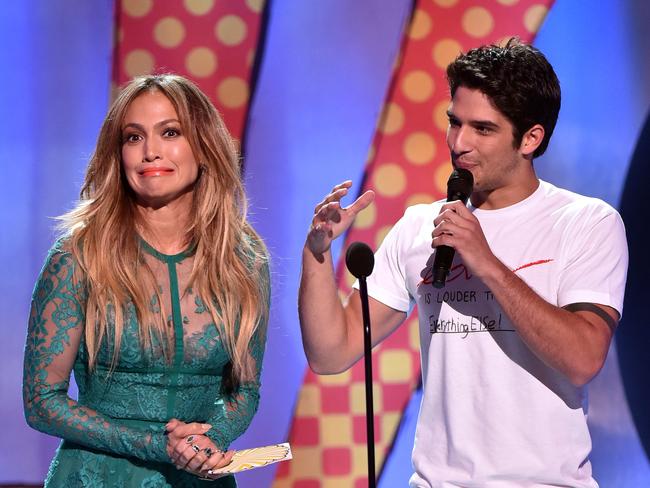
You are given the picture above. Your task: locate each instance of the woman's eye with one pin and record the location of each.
(132, 138)
(171, 133)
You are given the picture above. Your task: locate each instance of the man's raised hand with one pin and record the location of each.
(331, 220)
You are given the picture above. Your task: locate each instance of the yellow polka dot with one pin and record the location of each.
(230, 30)
(440, 118)
(442, 175)
(367, 217)
(335, 379)
(169, 32)
(419, 148)
(395, 366)
(232, 92)
(381, 235)
(418, 86)
(534, 17)
(445, 51)
(418, 198)
(199, 7)
(508, 2)
(393, 118)
(255, 5)
(446, 3)
(421, 25)
(201, 62)
(389, 180)
(414, 334)
(138, 62)
(477, 22)
(137, 8)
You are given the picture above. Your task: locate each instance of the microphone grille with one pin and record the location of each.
(359, 259)
(460, 182)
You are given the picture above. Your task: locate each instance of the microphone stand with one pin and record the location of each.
(367, 350)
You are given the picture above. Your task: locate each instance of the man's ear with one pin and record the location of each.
(531, 140)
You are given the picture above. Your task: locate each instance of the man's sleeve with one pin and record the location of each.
(387, 283)
(596, 266)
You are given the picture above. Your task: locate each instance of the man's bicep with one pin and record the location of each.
(383, 319)
(596, 314)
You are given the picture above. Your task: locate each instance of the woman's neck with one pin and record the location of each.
(165, 227)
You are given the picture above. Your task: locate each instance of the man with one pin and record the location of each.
(530, 306)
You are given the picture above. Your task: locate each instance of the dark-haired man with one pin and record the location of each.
(529, 309)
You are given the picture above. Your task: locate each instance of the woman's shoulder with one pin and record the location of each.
(61, 255)
(253, 248)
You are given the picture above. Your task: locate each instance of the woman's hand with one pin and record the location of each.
(189, 449)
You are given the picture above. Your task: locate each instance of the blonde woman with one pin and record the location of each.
(157, 295)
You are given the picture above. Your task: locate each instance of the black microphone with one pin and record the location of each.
(359, 259)
(459, 187)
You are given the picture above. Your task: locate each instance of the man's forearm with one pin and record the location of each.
(322, 317)
(564, 340)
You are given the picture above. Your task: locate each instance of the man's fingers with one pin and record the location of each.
(338, 192)
(360, 203)
(345, 184)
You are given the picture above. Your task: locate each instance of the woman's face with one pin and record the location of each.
(158, 161)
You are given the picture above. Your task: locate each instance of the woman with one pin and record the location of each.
(157, 295)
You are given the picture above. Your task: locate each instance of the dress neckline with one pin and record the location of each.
(167, 258)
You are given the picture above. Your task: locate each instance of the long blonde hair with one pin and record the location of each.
(103, 239)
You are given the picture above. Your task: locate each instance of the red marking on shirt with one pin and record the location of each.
(454, 272)
(534, 263)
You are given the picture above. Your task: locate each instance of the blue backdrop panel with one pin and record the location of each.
(55, 66)
(322, 84)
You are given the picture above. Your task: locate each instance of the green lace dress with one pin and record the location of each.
(113, 435)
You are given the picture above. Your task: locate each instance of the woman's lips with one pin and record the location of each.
(155, 171)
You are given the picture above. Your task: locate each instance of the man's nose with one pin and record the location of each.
(460, 140)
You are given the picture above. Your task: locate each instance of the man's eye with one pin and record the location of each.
(483, 130)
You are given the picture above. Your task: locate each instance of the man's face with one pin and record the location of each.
(481, 140)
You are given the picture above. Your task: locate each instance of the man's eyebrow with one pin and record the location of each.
(476, 123)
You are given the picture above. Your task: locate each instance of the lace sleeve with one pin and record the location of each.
(56, 325)
(234, 414)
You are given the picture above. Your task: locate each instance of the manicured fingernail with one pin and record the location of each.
(206, 426)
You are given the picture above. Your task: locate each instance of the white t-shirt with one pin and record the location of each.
(492, 413)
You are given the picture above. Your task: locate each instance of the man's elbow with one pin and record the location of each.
(327, 367)
(583, 373)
